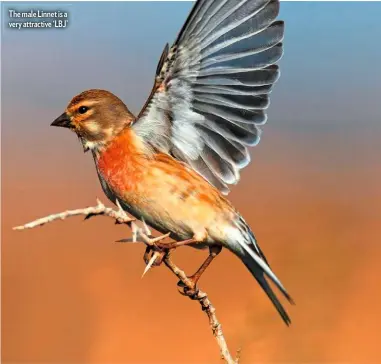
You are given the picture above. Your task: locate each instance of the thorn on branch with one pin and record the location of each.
(159, 254)
(151, 262)
(91, 214)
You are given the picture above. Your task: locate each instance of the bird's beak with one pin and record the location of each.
(63, 120)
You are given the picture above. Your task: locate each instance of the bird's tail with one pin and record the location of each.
(243, 244)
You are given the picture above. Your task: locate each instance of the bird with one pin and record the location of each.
(171, 165)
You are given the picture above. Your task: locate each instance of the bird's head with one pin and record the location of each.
(96, 116)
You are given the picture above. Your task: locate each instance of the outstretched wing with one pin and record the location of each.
(212, 87)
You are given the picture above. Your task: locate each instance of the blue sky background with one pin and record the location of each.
(329, 76)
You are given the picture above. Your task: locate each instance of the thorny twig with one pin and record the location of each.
(144, 234)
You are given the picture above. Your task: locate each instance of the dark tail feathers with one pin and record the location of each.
(259, 275)
(247, 249)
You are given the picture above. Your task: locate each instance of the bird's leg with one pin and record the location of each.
(175, 244)
(161, 249)
(213, 252)
(154, 249)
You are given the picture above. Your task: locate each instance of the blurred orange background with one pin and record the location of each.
(71, 294)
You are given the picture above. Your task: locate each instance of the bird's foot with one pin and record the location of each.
(190, 290)
(156, 251)
(150, 252)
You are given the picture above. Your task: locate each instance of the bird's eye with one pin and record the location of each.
(83, 109)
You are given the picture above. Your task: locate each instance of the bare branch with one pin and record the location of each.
(119, 216)
(206, 306)
(158, 255)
